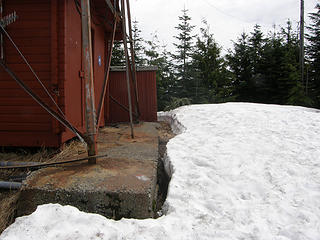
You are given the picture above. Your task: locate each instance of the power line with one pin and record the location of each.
(224, 13)
(243, 20)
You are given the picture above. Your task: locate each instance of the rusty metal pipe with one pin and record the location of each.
(123, 11)
(9, 163)
(10, 185)
(52, 164)
(90, 111)
(120, 104)
(133, 61)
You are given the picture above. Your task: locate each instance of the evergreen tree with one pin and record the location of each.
(212, 81)
(271, 60)
(240, 65)
(165, 79)
(183, 55)
(152, 50)
(157, 55)
(313, 54)
(280, 70)
(267, 69)
(138, 44)
(256, 43)
(290, 90)
(118, 57)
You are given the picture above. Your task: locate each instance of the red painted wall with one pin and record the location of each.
(48, 32)
(147, 94)
(22, 122)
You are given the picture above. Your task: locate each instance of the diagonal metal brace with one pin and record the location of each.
(40, 102)
(113, 10)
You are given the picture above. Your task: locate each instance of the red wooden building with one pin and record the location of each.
(48, 33)
(117, 99)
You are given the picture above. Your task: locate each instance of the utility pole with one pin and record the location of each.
(302, 41)
(90, 112)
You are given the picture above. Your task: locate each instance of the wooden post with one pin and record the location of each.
(90, 113)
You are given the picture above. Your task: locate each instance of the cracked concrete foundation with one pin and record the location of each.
(122, 184)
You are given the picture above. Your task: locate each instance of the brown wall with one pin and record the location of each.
(147, 94)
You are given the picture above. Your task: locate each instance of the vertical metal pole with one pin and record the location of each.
(90, 114)
(123, 13)
(106, 76)
(134, 75)
(302, 41)
(1, 36)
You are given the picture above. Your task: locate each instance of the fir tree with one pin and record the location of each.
(212, 81)
(280, 70)
(313, 54)
(118, 57)
(152, 50)
(256, 43)
(268, 88)
(183, 54)
(240, 65)
(138, 44)
(157, 55)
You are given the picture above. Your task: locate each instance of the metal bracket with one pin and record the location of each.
(7, 20)
(4, 22)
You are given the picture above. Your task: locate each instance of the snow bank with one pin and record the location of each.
(240, 171)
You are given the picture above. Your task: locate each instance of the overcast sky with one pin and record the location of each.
(227, 18)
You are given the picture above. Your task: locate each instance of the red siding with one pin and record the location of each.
(147, 94)
(147, 89)
(48, 32)
(19, 114)
(72, 84)
(99, 65)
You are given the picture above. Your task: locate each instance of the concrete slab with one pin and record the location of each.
(122, 184)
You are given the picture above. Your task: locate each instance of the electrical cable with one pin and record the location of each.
(40, 165)
(237, 18)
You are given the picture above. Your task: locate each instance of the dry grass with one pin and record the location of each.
(8, 199)
(71, 150)
(19, 155)
(8, 207)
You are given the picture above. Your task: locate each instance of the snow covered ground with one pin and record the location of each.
(239, 171)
